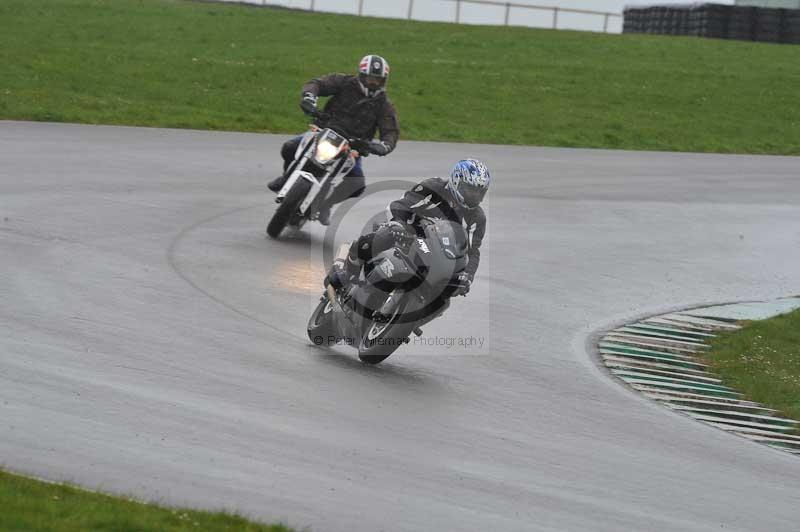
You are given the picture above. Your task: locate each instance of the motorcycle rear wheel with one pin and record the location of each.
(288, 207)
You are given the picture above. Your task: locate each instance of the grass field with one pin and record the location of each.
(210, 66)
(31, 505)
(762, 360)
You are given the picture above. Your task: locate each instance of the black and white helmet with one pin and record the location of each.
(373, 72)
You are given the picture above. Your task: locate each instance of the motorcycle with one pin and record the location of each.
(324, 154)
(398, 291)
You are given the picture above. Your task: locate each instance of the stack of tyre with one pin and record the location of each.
(716, 21)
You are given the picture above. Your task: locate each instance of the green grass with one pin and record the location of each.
(31, 505)
(762, 360)
(196, 65)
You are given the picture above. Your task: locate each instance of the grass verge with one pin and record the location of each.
(173, 63)
(762, 360)
(32, 505)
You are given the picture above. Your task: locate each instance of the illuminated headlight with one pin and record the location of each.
(326, 152)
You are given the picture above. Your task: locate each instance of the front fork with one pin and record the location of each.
(317, 184)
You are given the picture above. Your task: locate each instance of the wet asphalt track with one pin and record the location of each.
(153, 341)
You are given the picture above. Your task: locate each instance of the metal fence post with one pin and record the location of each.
(508, 11)
(410, 8)
(458, 11)
(555, 18)
(605, 24)
(360, 7)
(312, 5)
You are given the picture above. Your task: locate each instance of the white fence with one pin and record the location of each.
(490, 12)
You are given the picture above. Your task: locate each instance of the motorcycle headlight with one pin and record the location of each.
(326, 151)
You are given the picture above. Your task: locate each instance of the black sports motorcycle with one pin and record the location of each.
(398, 291)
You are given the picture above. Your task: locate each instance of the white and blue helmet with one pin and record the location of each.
(469, 182)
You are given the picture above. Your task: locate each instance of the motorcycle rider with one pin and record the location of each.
(359, 108)
(456, 198)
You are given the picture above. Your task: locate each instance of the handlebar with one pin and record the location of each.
(357, 144)
(321, 115)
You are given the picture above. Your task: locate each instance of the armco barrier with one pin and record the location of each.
(718, 21)
(495, 12)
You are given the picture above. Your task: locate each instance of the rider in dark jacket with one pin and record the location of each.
(359, 108)
(456, 198)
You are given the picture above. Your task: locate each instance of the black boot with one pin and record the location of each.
(338, 275)
(342, 273)
(277, 184)
(324, 215)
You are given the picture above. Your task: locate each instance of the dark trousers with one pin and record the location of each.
(352, 184)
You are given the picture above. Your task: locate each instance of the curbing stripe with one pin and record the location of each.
(776, 420)
(697, 320)
(738, 425)
(660, 378)
(634, 342)
(621, 348)
(672, 400)
(658, 357)
(661, 359)
(692, 347)
(694, 327)
(647, 362)
(707, 392)
(756, 437)
(665, 374)
(758, 432)
(665, 333)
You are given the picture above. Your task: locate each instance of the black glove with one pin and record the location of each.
(361, 146)
(402, 236)
(378, 147)
(463, 283)
(309, 104)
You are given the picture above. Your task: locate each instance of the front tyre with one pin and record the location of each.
(320, 324)
(382, 339)
(288, 207)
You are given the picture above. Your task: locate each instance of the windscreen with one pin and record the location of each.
(331, 136)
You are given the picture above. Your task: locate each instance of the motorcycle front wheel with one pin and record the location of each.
(382, 339)
(288, 207)
(320, 324)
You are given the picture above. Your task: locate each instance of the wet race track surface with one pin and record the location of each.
(154, 340)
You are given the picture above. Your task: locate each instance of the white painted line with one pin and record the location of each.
(672, 399)
(747, 430)
(645, 359)
(673, 374)
(701, 321)
(623, 339)
(669, 331)
(768, 439)
(694, 327)
(777, 420)
(674, 383)
(779, 429)
(616, 345)
(623, 351)
(666, 385)
(638, 363)
(759, 310)
(660, 378)
(659, 340)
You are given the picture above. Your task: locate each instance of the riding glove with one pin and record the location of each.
(463, 283)
(309, 103)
